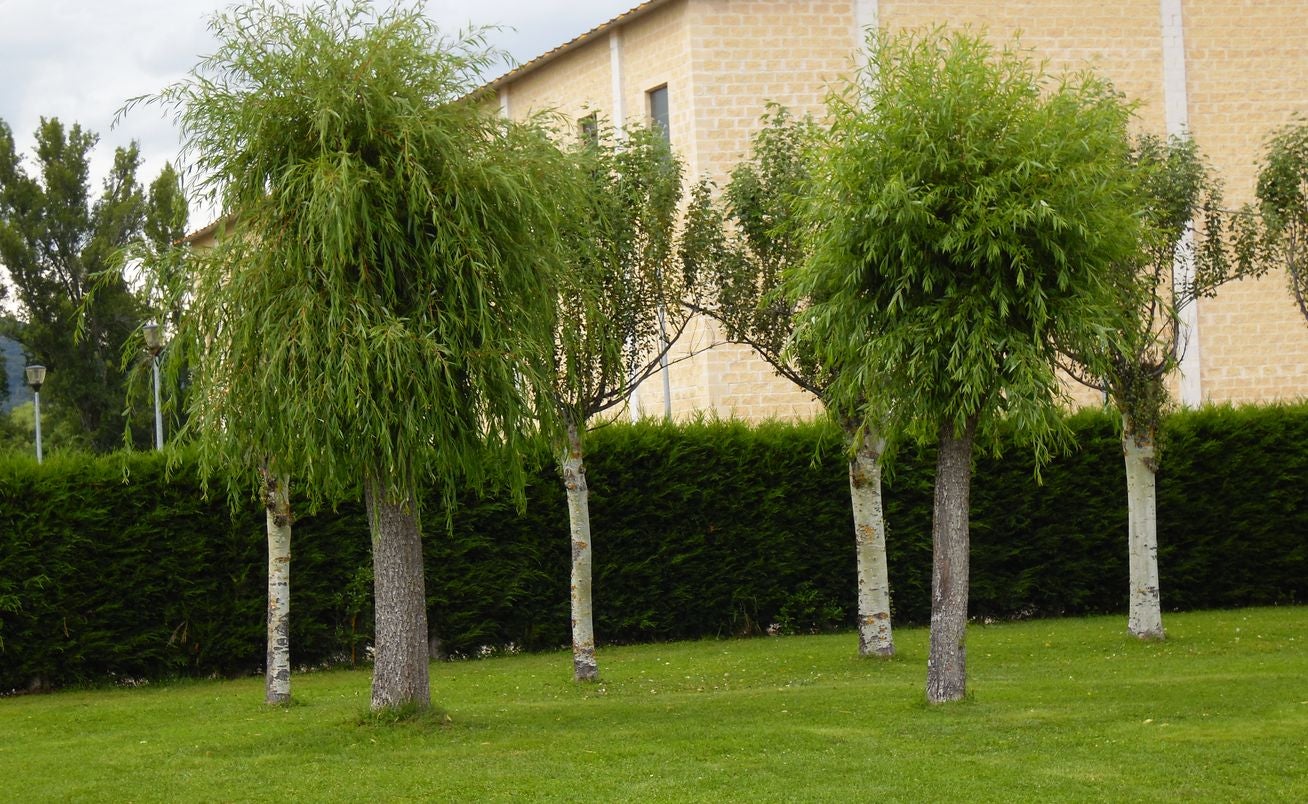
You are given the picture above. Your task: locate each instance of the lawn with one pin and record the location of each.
(1060, 710)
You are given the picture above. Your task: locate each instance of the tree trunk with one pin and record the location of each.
(584, 667)
(1146, 615)
(399, 676)
(277, 500)
(947, 662)
(874, 634)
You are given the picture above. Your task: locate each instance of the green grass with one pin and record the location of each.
(1061, 710)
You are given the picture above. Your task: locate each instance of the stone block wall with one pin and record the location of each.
(1246, 66)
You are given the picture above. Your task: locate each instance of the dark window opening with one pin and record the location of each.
(588, 129)
(658, 111)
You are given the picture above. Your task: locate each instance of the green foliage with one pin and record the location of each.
(809, 611)
(124, 570)
(113, 568)
(1184, 219)
(1283, 201)
(620, 309)
(57, 242)
(380, 302)
(965, 206)
(745, 252)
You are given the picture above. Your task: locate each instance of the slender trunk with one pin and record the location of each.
(277, 501)
(584, 667)
(1146, 615)
(399, 676)
(874, 634)
(947, 662)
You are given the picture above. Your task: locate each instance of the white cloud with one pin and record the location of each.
(80, 60)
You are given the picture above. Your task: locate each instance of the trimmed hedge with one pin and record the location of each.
(110, 569)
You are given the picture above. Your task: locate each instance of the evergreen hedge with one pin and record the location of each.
(112, 568)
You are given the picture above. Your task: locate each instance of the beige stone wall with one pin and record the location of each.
(1247, 66)
(745, 53)
(749, 52)
(572, 87)
(1120, 39)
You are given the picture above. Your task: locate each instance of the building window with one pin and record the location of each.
(588, 129)
(658, 110)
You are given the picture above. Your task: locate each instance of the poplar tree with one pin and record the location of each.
(59, 240)
(378, 313)
(1184, 222)
(622, 276)
(742, 274)
(966, 208)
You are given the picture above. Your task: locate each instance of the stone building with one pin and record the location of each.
(1228, 71)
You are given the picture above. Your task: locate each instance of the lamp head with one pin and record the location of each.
(153, 337)
(36, 377)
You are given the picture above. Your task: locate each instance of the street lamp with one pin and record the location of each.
(36, 378)
(154, 345)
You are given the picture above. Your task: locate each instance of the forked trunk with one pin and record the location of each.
(947, 661)
(1139, 448)
(277, 501)
(399, 676)
(584, 666)
(874, 634)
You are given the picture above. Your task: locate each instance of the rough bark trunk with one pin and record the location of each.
(584, 666)
(277, 501)
(1146, 615)
(874, 634)
(947, 661)
(400, 673)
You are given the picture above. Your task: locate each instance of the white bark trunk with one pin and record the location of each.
(947, 661)
(584, 666)
(1145, 619)
(400, 672)
(277, 500)
(874, 634)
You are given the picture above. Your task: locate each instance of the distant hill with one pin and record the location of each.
(12, 355)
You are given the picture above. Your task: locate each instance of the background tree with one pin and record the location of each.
(743, 274)
(57, 242)
(379, 312)
(622, 284)
(1283, 201)
(966, 210)
(1177, 191)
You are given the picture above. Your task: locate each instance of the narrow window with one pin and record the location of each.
(658, 110)
(588, 129)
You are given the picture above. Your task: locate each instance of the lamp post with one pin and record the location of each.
(154, 345)
(36, 378)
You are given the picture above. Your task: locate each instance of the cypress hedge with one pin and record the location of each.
(115, 568)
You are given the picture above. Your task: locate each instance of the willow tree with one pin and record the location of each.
(742, 273)
(1283, 201)
(619, 314)
(966, 207)
(378, 315)
(1185, 224)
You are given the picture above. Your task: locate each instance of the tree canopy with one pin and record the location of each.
(375, 305)
(1283, 201)
(58, 242)
(622, 273)
(965, 209)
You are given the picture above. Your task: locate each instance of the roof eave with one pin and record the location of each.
(571, 45)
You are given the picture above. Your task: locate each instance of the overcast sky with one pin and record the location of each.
(79, 60)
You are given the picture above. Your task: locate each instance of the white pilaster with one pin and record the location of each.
(615, 71)
(1176, 112)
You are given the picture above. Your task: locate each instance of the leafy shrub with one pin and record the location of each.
(111, 567)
